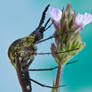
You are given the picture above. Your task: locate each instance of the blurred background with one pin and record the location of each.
(18, 18)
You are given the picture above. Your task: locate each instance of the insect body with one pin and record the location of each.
(21, 53)
(23, 48)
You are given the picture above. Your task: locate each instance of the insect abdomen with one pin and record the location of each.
(24, 78)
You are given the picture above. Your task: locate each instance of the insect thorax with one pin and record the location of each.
(24, 48)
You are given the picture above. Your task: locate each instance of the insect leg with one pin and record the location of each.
(50, 69)
(72, 62)
(48, 53)
(46, 39)
(45, 85)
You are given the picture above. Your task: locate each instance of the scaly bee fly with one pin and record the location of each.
(22, 51)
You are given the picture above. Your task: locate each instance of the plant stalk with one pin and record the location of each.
(59, 76)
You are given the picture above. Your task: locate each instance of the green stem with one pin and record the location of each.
(58, 78)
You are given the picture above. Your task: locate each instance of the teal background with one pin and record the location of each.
(18, 18)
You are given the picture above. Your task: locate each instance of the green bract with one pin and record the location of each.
(67, 37)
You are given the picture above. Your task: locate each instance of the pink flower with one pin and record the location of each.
(56, 15)
(82, 20)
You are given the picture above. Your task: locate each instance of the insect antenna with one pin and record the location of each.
(47, 22)
(43, 16)
(48, 27)
(40, 29)
(43, 28)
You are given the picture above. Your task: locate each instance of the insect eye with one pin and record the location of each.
(38, 34)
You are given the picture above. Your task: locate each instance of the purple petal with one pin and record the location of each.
(55, 14)
(87, 18)
(82, 20)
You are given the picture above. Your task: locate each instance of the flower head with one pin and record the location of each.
(67, 32)
(56, 15)
(82, 20)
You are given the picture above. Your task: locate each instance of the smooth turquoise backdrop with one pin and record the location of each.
(18, 18)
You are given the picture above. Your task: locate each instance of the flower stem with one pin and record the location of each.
(58, 78)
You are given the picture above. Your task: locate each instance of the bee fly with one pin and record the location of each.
(22, 51)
